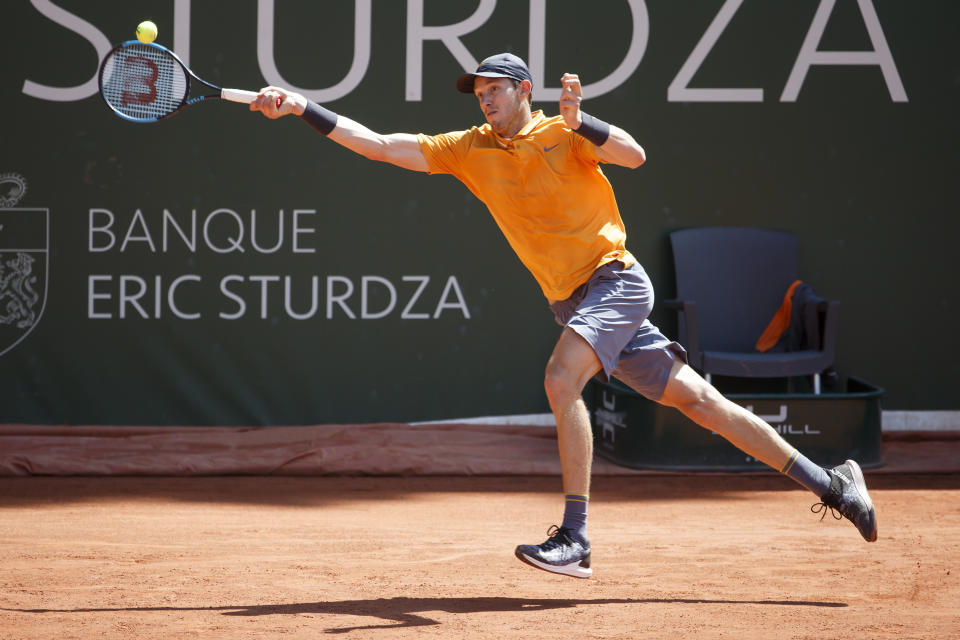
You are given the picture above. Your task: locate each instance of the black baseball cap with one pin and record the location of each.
(502, 65)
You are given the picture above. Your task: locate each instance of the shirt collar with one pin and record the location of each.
(535, 121)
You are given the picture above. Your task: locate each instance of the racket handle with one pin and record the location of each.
(238, 95)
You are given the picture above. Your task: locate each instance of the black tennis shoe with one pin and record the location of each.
(561, 553)
(848, 495)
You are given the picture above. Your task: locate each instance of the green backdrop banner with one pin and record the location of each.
(219, 268)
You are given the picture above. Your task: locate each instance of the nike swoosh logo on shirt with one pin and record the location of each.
(549, 149)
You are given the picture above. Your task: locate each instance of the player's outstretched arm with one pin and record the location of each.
(614, 145)
(401, 149)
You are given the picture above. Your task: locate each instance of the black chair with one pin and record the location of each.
(730, 283)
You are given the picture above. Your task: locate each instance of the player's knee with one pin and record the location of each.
(690, 393)
(560, 385)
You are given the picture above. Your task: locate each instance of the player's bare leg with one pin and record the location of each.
(702, 403)
(571, 365)
(841, 489)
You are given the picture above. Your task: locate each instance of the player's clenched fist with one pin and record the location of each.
(274, 102)
(571, 94)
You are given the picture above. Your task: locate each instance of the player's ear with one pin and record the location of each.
(525, 88)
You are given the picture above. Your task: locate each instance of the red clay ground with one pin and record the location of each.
(708, 556)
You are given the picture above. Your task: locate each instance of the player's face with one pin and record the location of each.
(501, 103)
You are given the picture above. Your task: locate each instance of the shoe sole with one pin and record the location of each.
(574, 570)
(861, 485)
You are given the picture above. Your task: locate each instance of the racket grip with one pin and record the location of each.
(238, 95)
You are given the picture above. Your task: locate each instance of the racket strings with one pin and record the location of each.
(143, 82)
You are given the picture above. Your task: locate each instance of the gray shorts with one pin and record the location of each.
(610, 312)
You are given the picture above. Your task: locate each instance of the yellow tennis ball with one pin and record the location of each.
(146, 32)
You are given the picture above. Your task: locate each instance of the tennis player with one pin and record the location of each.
(540, 178)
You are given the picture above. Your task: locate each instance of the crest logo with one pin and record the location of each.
(12, 189)
(24, 263)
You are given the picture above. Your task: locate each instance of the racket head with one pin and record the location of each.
(143, 82)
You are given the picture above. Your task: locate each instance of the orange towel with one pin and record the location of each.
(779, 323)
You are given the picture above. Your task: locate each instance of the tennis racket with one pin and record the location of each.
(147, 82)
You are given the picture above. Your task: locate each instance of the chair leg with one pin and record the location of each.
(816, 384)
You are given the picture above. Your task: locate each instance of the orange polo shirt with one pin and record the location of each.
(545, 189)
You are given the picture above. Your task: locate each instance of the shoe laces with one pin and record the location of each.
(825, 508)
(833, 500)
(557, 537)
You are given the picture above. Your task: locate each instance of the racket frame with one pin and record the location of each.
(233, 95)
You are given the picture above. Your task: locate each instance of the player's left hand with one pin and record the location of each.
(571, 95)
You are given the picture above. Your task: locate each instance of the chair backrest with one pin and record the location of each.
(737, 276)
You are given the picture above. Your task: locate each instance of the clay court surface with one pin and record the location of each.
(692, 556)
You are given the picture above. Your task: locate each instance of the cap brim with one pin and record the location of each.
(465, 82)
